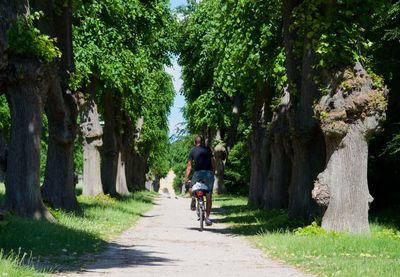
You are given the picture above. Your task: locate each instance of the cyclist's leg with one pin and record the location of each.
(210, 185)
(195, 178)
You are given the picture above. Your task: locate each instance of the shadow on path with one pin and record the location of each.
(117, 256)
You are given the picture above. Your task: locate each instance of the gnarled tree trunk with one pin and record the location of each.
(61, 108)
(59, 188)
(92, 140)
(349, 116)
(26, 97)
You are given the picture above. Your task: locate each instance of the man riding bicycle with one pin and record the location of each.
(204, 166)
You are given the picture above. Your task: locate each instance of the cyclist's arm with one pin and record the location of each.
(188, 169)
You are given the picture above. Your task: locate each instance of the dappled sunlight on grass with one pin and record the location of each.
(102, 219)
(313, 249)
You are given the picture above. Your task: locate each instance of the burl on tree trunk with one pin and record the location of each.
(26, 97)
(352, 112)
(92, 141)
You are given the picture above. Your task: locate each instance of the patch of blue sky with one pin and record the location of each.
(176, 3)
(175, 118)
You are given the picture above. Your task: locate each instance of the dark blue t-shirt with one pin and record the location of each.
(201, 156)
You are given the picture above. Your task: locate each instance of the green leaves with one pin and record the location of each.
(228, 47)
(336, 31)
(26, 40)
(5, 122)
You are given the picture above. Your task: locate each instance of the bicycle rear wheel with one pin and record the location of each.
(201, 208)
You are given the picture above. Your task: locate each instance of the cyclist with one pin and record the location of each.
(204, 168)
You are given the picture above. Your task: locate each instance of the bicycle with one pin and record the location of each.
(199, 190)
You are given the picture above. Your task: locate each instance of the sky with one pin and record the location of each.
(176, 116)
(175, 3)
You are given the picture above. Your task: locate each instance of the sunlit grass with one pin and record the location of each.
(55, 244)
(313, 250)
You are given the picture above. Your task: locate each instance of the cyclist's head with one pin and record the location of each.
(198, 140)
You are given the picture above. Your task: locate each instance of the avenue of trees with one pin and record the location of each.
(90, 74)
(297, 98)
(300, 89)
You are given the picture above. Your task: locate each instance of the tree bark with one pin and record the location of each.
(276, 195)
(92, 140)
(139, 168)
(220, 159)
(26, 97)
(135, 164)
(122, 126)
(122, 186)
(109, 150)
(3, 155)
(258, 146)
(59, 188)
(349, 116)
(306, 137)
(61, 108)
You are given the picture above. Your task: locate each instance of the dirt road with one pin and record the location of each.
(166, 242)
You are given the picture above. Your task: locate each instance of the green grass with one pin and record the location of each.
(62, 243)
(311, 248)
(12, 265)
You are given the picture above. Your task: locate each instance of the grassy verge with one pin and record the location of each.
(62, 243)
(311, 248)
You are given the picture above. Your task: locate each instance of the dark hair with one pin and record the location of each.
(198, 140)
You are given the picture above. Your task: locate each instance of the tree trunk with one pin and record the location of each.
(258, 145)
(26, 96)
(220, 159)
(233, 129)
(59, 188)
(122, 186)
(306, 138)
(276, 194)
(122, 126)
(349, 116)
(138, 166)
(91, 135)
(135, 164)
(3, 155)
(307, 162)
(109, 150)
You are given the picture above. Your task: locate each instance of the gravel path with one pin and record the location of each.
(166, 242)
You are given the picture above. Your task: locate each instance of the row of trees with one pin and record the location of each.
(293, 85)
(79, 64)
